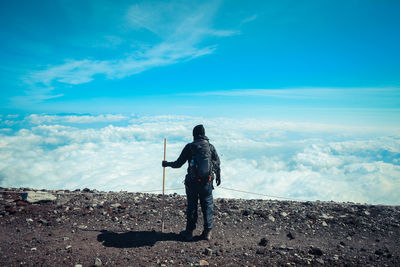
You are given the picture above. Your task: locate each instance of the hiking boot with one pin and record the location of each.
(206, 234)
(187, 235)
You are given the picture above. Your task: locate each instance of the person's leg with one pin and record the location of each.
(207, 205)
(192, 196)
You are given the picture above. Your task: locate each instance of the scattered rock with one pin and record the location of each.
(11, 209)
(116, 205)
(316, 251)
(22, 203)
(281, 252)
(335, 257)
(37, 196)
(283, 246)
(261, 251)
(27, 239)
(203, 263)
(43, 221)
(192, 260)
(246, 213)
(130, 218)
(223, 201)
(326, 216)
(263, 242)
(291, 235)
(97, 262)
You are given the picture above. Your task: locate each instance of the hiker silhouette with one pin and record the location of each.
(203, 166)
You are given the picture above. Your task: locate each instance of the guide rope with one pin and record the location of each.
(259, 194)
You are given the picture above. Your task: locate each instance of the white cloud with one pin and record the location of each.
(316, 93)
(250, 19)
(7, 123)
(298, 160)
(12, 116)
(72, 72)
(180, 28)
(36, 94)
(78, 119)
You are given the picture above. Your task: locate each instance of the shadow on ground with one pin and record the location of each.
(134, 239)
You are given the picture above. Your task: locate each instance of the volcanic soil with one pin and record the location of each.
(92, 228)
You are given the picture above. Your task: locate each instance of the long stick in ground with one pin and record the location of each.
(163, 186)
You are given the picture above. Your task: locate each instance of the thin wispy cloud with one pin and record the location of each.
(250, 19)
(179, 30)
(359, 94)
(76, 119)
(299, 92)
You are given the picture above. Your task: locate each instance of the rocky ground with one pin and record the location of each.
(91, 228)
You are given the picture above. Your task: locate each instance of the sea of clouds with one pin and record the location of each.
(305, 161)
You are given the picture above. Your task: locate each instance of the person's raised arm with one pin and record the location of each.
(184, 156)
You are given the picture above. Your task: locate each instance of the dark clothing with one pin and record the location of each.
(199, 130)
(186, 156)
(198, 190)
(194, 192)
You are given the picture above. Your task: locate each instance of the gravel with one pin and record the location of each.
(90, 228)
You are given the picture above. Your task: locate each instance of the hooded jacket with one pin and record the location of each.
(186, 156)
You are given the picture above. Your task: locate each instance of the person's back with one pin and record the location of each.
(203, 164)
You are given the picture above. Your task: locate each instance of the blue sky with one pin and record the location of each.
(317, 61)
(300, 98)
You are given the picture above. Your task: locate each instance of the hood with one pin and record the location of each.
(198, 131)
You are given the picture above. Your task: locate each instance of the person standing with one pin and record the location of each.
(203, 165)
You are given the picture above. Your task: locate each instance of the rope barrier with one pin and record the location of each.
(259, 194)
(160, 190)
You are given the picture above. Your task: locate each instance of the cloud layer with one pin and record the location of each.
(295, 160)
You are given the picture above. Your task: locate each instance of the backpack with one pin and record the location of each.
(200, 167)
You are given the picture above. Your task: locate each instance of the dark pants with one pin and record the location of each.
(194, 192)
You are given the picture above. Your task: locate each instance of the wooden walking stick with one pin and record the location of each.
(163, 187)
